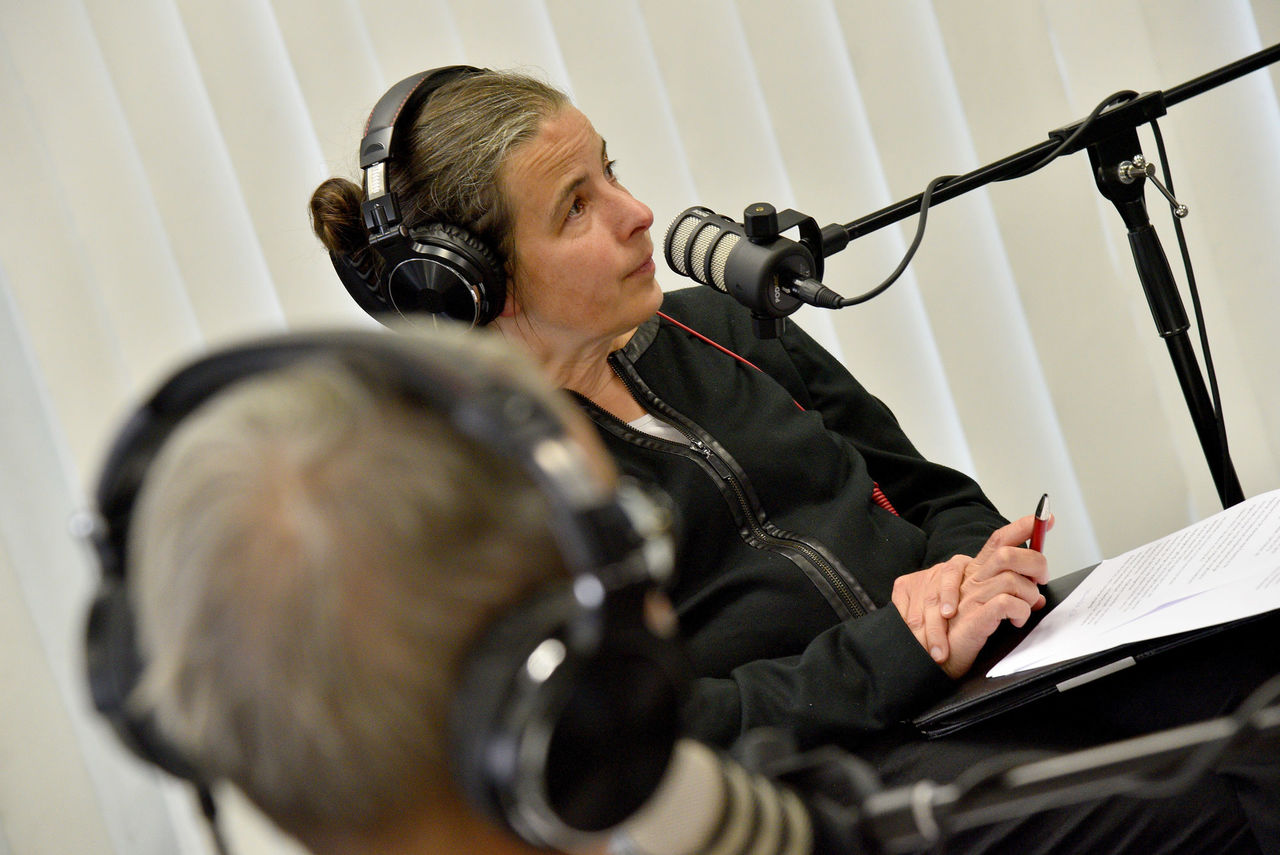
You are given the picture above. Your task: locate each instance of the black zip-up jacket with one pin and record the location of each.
(784, 560)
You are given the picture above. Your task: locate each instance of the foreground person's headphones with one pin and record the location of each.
(568, 708)
(435, 269)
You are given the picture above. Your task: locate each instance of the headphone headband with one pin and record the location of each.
(406, 98)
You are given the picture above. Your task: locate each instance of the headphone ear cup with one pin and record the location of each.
(446, 270)
(114, 667)
(359, 276)
(554, 741)
(614, 735)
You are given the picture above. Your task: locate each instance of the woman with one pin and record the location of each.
(744, 463)
(831, 580)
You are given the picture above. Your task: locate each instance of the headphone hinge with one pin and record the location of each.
(381, 219)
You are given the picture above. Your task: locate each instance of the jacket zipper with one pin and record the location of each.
(726, 474)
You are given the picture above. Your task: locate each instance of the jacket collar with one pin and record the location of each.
(639, 343)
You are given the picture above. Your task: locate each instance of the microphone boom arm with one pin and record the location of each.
(1138, 111)
(1111, 139)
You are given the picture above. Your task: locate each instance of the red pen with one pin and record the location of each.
(1041, 523)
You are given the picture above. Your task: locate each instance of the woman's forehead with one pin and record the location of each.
(564, 149)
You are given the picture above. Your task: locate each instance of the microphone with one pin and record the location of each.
(708, 803)
(768, 274)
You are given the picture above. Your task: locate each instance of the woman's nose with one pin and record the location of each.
(633, 215)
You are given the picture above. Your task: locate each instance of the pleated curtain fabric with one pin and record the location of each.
(161, 154)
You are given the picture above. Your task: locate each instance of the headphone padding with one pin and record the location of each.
(493, 279)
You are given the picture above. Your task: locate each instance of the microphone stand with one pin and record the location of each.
(850, 811)
(915, 817)
(1114, 153)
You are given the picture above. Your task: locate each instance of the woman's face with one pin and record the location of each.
(582, 271)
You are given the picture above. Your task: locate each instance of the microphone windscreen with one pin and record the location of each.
(698, 243)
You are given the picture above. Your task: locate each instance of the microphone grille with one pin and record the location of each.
(690, 237)
(678, 235)
(720, 257)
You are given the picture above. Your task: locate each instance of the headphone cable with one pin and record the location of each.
(926, 199)
(1211, 375)
(204, 795)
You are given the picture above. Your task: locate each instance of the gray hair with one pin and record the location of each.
(313, 556)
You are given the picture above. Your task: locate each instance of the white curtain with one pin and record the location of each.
(161, 154)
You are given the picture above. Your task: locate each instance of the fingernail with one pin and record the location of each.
(948, 610)
(936, 653)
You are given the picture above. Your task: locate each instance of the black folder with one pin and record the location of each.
(979, 697)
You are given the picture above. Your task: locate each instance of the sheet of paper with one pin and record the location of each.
(1219, 569)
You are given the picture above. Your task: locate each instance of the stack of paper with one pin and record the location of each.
(1220, 569)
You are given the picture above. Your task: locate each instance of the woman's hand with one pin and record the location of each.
(953, 607)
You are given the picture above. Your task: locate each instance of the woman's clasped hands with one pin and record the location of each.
(952, 608)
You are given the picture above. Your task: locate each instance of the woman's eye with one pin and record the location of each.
(611, 168)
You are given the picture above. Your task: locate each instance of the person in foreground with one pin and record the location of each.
(831, 580)
(326, 559)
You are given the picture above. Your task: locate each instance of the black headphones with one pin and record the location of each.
(567, 711)
(432, 269)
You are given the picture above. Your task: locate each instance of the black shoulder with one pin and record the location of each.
(710, 312)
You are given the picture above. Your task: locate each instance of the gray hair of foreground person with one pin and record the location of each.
(313, 558)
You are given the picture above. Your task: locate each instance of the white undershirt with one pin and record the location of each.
(654, 426)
